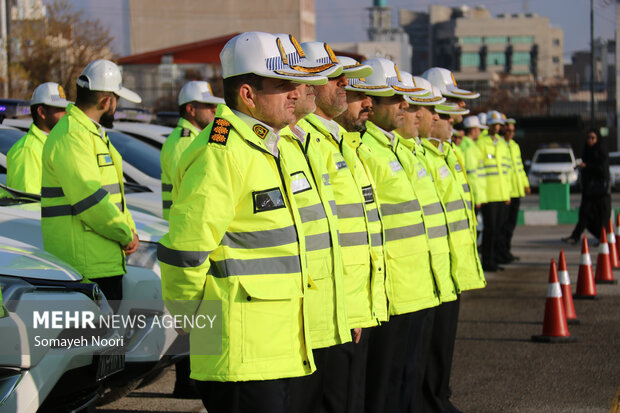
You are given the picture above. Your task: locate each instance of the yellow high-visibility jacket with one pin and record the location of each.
(23, 161)
(236, 237)
(84, 219)
(176, 143)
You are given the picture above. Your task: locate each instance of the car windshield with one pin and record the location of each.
(553, 157)
(8, 137)
(614, 160)
(137, 153)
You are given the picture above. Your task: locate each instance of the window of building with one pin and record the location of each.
(470, 60)
(521, 58)
(521, 39)
(471, 40)
(496, 59)
(496, 39)
(555, 59)
(556, 42)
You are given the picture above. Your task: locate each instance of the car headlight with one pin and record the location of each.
(145, 256)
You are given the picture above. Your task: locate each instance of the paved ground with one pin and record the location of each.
(496, 367)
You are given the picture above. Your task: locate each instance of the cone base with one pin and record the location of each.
(553, 339)
(584, 297)
(606, 281)
(573, 321)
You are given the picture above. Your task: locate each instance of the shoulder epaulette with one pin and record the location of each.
(219, 131)
(185, 133)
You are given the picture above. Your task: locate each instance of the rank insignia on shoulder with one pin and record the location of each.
(220, 131)
(185, 133)
(260, 130)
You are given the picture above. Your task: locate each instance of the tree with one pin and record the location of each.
(54, 49)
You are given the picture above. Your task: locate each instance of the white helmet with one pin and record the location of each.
(473, 122)
(105, 76)
(482, 117)
(494, 117)
(50, 94)
(198, 91)
(432, 98)
(299, 60)
(385, 74)
(263, 55)
(444, 80)
(353, 69)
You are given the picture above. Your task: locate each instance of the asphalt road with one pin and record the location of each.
(496, 366)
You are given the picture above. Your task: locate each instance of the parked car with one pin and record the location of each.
(614, 169)
(133, 114)
(147, 349)
(154, 135)
(38, 376)
(554, 164)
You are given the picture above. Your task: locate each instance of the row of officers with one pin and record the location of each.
(322, 202)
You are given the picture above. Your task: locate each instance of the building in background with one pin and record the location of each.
(156, 24)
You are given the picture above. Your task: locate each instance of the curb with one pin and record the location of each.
(534, 217)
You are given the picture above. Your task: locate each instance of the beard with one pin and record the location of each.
(107, 120)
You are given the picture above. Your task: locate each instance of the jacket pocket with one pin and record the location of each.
(270, 317)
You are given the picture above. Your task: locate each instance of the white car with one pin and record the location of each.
(147, 349)
(614, 168)
(154, 135)
(38, 372)
(553, 165)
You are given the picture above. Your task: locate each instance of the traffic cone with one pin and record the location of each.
(613, 252)
(603, 274)
(567, 294)
(618, 233)
(586, 288)
(555, 329)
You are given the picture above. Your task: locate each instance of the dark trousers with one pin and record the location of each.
(436, 386)
(112, 287)
(491, 213)
(510, 214)
(344, 380)
(268, 396)
(391, 359)
(594, 213)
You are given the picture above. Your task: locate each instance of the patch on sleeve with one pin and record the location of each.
(339, 161)
(220, 131)
(444, 172)
(260, 130)
(268, 200)
(396, 166)
(422, 173)
(368, 195)
(104, 159)
(185, 133)
(299, 182)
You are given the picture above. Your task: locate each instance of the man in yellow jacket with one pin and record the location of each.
(197, 109)
(84, 218)
(23, 161)
(236, 237)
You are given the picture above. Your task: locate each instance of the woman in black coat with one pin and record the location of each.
(595, 208)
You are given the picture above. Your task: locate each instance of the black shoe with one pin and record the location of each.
(185, 391)
(490, 268)
(570, 240)
(500, 268)
(505, 260)
(514, 258)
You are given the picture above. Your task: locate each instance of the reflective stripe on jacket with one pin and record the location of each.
(313, 195)
(411, 157)
(23, 161)
(235, 237)
(176, 143)
(461, 230)
(409, 283)
(84, 219)
(358, 222)
(474, 169)
(494, 155)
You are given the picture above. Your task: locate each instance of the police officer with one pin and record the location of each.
(236, 237)
(519, 186)
(23, 160)
(473, 159)
(410, 292)
(197, 109)
(359, 223)
(494, 154)
(84, 219)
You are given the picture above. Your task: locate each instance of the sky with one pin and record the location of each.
(347, 20)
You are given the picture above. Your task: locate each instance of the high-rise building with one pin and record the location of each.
(156, 24)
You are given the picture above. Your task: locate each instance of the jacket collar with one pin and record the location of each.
(37, 133)
(246, 127)
(383, 137)
(326, 127)
(90, 125)
(185, 124)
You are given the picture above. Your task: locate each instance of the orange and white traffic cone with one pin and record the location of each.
(611, 240)
(586, 288)
(567, 294)
(555, 329)
(603, 274)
